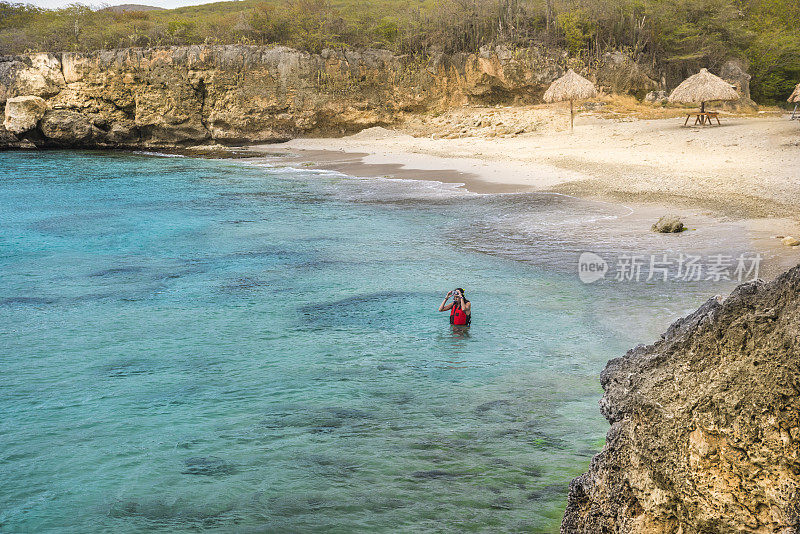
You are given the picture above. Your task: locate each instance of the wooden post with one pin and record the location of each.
(571, 117)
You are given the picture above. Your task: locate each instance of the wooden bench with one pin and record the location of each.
(703, 118)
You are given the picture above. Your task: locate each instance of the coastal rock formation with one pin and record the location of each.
(33, 74)
(177, 96)
(23, 113)
(232, 94)
(66, 127)
(705, 424)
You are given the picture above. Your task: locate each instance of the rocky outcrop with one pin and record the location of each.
(234, 93)
(618, 73)
(23, 113)
(231, 94)
(66, 128)
(32, 74)
(705, 424)
(734, 72)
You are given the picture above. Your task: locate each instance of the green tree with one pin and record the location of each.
(577, 29)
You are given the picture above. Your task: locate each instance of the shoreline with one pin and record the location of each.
(746, 168)
(495, 168)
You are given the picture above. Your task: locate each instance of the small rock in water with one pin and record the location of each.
(790, 241)
(668, 224)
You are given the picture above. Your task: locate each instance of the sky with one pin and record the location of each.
(98, 3)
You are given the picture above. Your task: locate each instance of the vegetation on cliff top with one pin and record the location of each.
(674, 36)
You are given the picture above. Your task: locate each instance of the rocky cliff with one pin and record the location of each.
(234, 93)
(705, 424)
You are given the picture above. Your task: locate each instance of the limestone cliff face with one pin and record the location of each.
(705, 424)
(180, 96)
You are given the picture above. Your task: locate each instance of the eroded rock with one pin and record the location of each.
(621, 74)
(734, 72)
(705, 424)
(231, 94)
(23, 113)
(66, 127)
(31, 74)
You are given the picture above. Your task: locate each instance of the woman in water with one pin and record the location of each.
(460, 308)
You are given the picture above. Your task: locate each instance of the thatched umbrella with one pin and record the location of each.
(703, 87)
(570, 87)
(795, 96)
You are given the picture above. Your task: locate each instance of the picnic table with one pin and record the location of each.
(702, 118)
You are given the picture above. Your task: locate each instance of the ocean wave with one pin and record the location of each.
(380, 189)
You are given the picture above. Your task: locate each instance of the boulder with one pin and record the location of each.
(23, 113)
(64, 127)
(790, 241)
(668, 224)
(734, 72)
(656, 97)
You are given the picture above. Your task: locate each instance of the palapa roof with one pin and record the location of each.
(795, 96)
(571, 86)
(703, 87)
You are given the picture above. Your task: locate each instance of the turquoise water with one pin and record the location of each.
(232, 346)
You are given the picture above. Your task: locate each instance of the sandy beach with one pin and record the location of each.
(742, 176)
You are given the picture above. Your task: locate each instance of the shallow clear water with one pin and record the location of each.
(192, 345)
